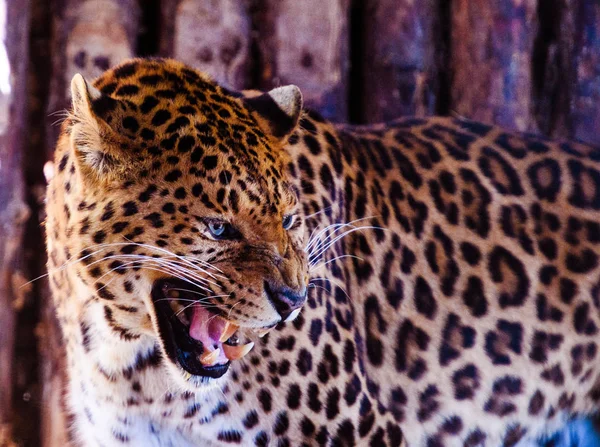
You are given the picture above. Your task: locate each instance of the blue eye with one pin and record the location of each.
(287, 222)
(217, 229)
(221, 230)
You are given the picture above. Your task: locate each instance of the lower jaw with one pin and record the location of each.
(180, 348)
(195, 368)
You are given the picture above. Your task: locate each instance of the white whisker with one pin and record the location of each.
(199, 300)
(337, 226)
(167, 267)
(330, 282)
(337, 238)
(231, 308)
(204, 305)
(324, 210)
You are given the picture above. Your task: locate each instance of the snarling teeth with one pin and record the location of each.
(228, 332)
(218, 340)
(237, 352)
(218, 336)
(210, 358)
(293, 315)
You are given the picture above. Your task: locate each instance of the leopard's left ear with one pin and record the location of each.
(278, 111)
(94, 141)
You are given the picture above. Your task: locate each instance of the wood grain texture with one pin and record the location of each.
(585, 104)
(399, 68)
(88, 37)
(306, 43)
(211, 35)
(491, 46)
(553, 71)
(54, 431)
(14, 30)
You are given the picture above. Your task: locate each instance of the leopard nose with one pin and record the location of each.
(285, 299)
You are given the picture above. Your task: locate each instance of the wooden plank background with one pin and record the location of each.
(531, 65)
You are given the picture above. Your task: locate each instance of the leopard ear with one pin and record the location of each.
(92, 137)
(278, 110)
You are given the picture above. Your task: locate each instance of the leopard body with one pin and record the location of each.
(452, 270)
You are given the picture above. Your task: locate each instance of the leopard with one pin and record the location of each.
(230, 268)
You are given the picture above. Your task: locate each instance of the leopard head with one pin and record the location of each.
(178, 194)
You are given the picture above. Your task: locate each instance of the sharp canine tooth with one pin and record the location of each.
(209, 358)
(293, 315)
(230, 329)
(237, 352)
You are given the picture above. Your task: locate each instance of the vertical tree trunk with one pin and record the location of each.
(306, 43)
(14, 31)
(399, 70)
(585, 104)
(552, 67)
(491, 45)
(54, 430)
(89, 37)
(210, 35)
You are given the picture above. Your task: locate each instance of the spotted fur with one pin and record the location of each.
(460, 307)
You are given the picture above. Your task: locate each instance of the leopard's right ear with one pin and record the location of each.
(93, 139)
(277, 111)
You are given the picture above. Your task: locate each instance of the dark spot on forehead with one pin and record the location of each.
(210, 162)
(173, 175)
(185, 144)
(147, 134)
(161, 117)
(109, 88)
(178, 124)
(149, 103)
(130, 123)
(127, 90)
(126, 70)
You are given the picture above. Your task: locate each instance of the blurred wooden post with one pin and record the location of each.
(585, 103)
(553, 68)
(212, 36)
(14, 32)
(491, 47)
(399, 68)
(89, 37)
(306, 43)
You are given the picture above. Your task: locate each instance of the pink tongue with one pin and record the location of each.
(206, 327)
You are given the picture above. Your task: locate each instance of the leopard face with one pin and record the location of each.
(182, 219)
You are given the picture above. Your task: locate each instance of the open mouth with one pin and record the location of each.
(202, 342)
